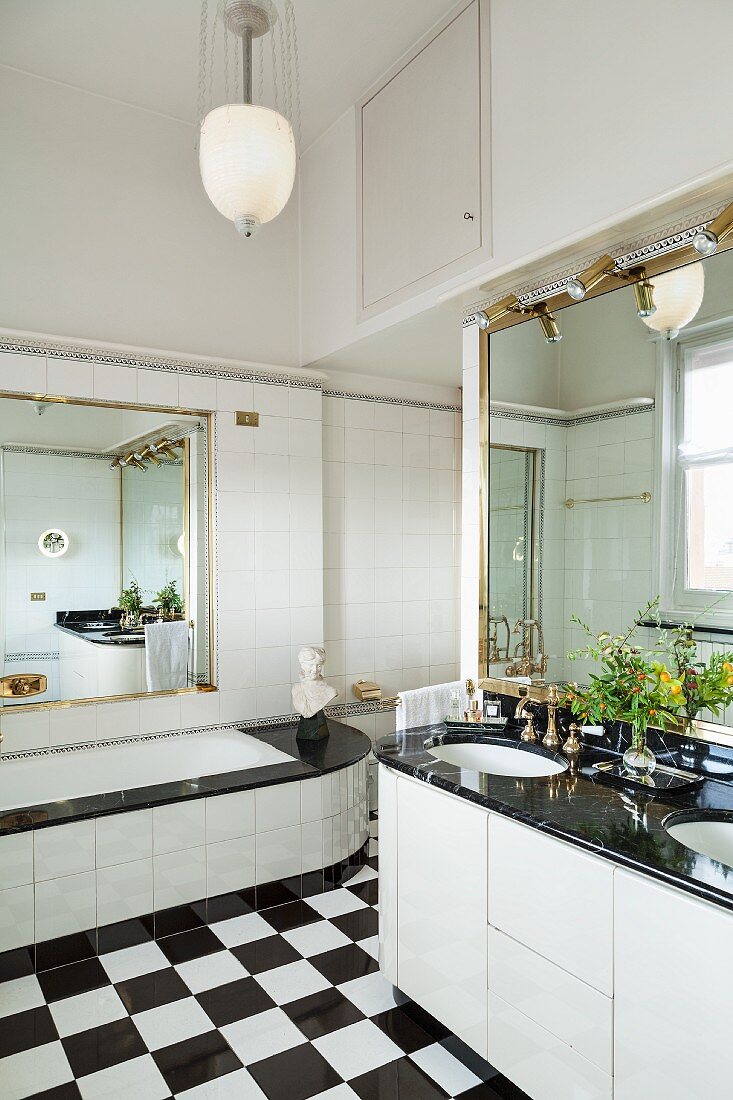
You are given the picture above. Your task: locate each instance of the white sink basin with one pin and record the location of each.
(498, 759)
(707, 836)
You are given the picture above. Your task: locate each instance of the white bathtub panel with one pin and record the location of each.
(35, 780)
(179, 825)
(277, 807)
(278, 854)
(230, 865)
(63, 850)
(65, 905)
(16, 860)
(229, 816)
(311, 799)
(179, 877)
(122, 838)
(312, 842)
(16, 917)
(124, 891)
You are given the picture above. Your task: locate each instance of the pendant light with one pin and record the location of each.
(677, 297)
(247, 152)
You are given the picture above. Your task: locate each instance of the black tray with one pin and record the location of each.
(663, 780)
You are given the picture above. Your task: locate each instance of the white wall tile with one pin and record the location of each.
(157, 387)
(305, 403)
(16, 859)
(61, 850)
(124, 837)
(239, 705)
(230, 865)
(179, 825)
(21, 373)
(73, 725)
(117, 720)
(233, 395)
(179, 877)
(277, 806)
(124, 891)
(278, 854)
(65, 905)
(17, 925)
(70, 378)
(270, 400)
(113, 383)
(196, 391)
(161, 715)
(229, 816)
(24, 731)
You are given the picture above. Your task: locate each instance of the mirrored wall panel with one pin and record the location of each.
(627, 422)
(104, 551)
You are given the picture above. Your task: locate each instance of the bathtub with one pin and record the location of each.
(102, 848)
(61, 776)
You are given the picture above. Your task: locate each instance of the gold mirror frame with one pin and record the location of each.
(203, 414)
(669, 260)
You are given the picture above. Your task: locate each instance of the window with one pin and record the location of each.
(700, 469)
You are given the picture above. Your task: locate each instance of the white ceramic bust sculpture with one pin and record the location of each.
(312, 693)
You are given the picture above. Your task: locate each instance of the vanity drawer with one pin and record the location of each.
(554, 899)
(571, 1010)
(538, 1062)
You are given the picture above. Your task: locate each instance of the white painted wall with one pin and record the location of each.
(607, 144)
(107, 234)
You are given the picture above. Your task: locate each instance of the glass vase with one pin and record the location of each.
(639, 760)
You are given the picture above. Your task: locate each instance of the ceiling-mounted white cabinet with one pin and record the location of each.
(423, 176)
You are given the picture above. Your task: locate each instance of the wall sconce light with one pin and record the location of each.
(604, 268)
(707, 240)
(511, 304)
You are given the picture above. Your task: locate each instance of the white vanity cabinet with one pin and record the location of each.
(550, 908)
(674, 994)
(422, 185)
(441, 905)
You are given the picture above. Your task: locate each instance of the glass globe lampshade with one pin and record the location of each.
(247, 160)
(677, 297)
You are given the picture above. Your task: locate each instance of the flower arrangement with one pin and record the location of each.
(648, 686)
(169, 600)
(131, 599)
(633, 686)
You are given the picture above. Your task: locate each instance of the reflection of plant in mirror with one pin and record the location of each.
(634, 686)
(169, 600)
(131, 599)
(705, 686)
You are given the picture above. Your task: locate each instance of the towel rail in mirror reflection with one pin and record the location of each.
(645, 498)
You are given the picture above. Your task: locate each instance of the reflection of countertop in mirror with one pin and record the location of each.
(97, 628)
(619, 824)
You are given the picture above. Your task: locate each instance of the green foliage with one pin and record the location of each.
(131, 598)
(634, 685)
(169, 599)
(705, 686)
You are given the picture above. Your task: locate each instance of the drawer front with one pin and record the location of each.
(539, 1063)
(568, 1008)
(554, 899)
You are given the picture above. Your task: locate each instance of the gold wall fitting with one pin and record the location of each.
(38, 597)
(247, 419)
(23, 684)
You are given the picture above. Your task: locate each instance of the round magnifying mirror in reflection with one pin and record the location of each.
(53, 543)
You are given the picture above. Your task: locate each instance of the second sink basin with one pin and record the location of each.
(711, 835)
(498, 759)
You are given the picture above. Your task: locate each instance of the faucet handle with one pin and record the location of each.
(529, 733)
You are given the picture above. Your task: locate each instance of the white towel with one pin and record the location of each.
(426, 706)
(166, 656)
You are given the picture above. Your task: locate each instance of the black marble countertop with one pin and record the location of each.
(98, 627)
(621, 824)
(344, 746)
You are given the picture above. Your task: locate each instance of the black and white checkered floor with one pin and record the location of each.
(282, 1004)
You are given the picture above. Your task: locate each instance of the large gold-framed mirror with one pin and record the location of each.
(628, 419)
(105, 550)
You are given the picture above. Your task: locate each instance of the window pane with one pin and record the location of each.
(709, 399)
(710, 527)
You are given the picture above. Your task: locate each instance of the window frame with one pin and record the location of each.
(679, 602)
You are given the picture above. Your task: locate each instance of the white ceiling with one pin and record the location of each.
(145, 52)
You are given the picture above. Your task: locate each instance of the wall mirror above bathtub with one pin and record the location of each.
(626, 422)
(104, 550)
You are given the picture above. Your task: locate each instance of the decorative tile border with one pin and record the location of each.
(569, 421)
(87, 353)
(49, 655)
(413, 403)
